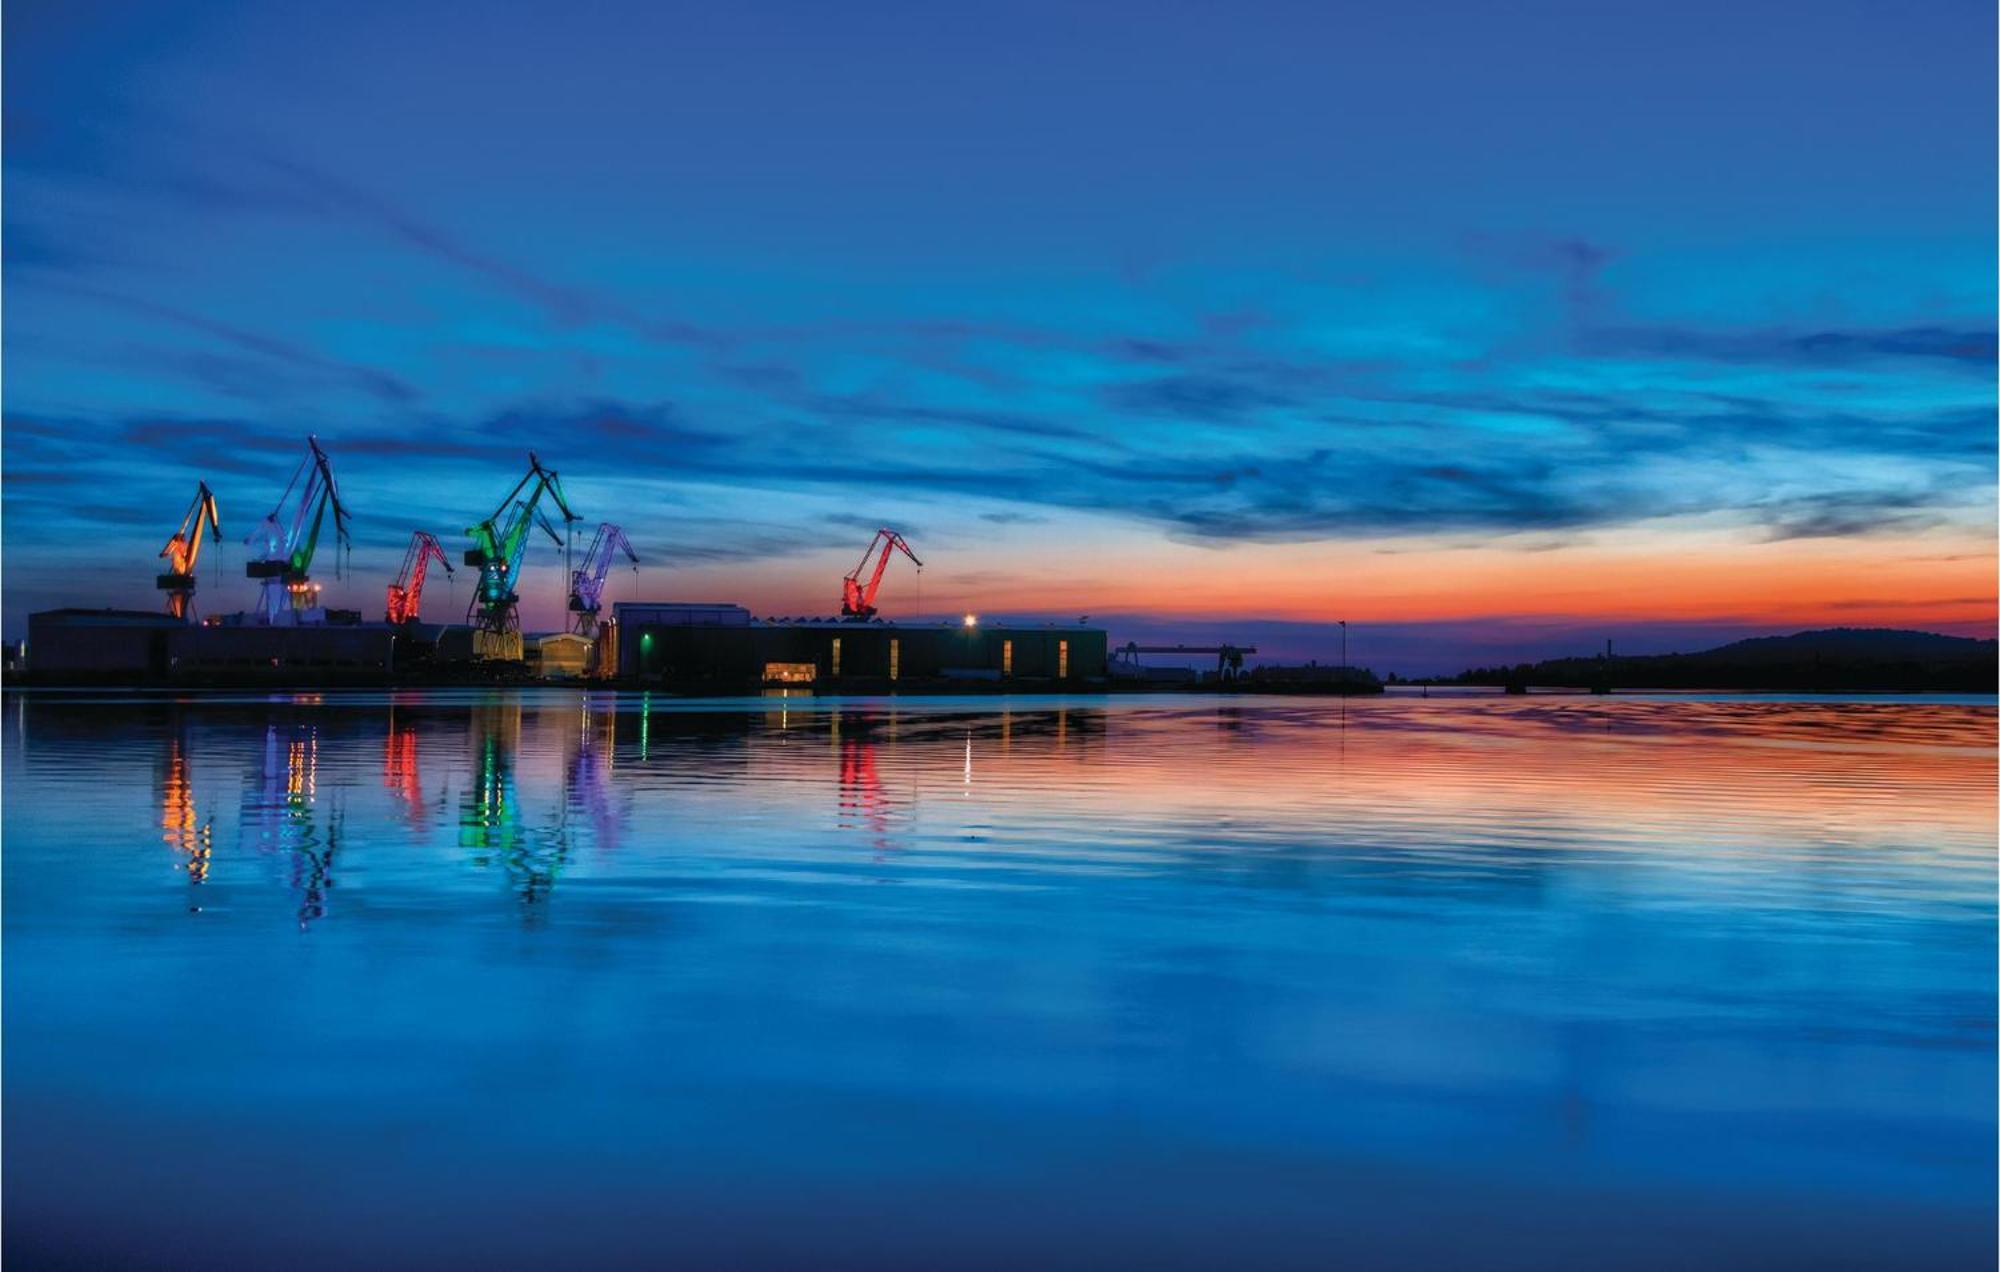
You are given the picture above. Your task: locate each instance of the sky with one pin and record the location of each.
(1495, 330)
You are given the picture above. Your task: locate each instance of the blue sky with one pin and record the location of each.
(1468, 321)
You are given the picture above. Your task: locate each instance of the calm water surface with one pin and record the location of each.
(542, 979)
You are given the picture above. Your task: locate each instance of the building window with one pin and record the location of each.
(834, 659)
(1006, 657)
(784, 673)
(1062, 660)
(895, 658)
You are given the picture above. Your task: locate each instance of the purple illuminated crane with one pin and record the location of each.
(586, 584)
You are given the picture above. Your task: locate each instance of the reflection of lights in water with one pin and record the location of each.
(178, 820)
(490, 821)
(968, 757)
(302, 767)
(402, 773)
(279, 811)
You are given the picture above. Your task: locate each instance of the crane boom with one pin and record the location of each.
(286, 540)
(500, 544)
(857, 602)
(586, 583)
(183, 551)
(406, 594)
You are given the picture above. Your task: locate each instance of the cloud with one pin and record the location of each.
(865, 526)
(1971, 347)
(1210, 398)
(378, 384)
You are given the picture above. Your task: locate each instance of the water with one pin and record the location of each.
(586, 981)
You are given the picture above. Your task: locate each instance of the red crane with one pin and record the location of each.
(857, 603)
(406, 594)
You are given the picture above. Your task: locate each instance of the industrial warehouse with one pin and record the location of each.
(289, 638)
(722, 645)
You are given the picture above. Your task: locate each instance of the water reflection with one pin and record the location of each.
(183, 827)
(1184, 967)
(280, 816)
(590, 789)
(402, 772)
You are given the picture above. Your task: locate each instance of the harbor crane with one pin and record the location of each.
(406, 594)
(500, 546)
(183, 552)
(284, 542)
(857, 602)
(586, 583)
(1228, 658)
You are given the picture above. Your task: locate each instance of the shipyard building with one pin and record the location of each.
(722, 646)
(680, 647)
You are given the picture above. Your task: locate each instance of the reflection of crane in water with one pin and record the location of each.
(279, 811)
(587, 784)
(489, 821)
(180, 825)
(402, 773)
(865, 804)
(862, 802)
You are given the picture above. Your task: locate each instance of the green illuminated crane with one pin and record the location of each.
(500, 546)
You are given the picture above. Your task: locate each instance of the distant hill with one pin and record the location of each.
(1834, 659)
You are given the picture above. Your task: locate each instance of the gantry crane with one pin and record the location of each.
(857, 603)
(500, 544)
(406, 594)
(183, 552)
(586, 583)
(286, 539)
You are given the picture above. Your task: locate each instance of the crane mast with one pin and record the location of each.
(183, 552)
(286, 540)
(406, 594)
(857, 601)
(586, 583)
(499, 547)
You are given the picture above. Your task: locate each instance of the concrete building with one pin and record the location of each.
(724, 647)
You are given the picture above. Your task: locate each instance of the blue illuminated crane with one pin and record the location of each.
(586, 583)
(284, 542)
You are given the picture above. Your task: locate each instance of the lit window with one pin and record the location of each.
(1062, 660)
(1006, 657)
(834, 659)
(895, 658)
